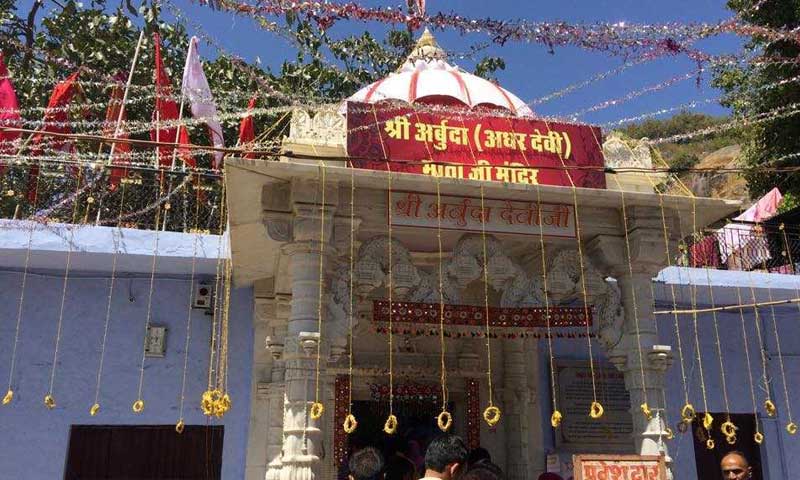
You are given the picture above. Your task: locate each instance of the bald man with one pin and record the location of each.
(735, 466)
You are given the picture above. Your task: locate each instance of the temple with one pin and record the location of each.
(434, 197)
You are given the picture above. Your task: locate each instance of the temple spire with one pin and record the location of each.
(427, 49)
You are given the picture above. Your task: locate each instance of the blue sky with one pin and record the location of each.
(531, 71)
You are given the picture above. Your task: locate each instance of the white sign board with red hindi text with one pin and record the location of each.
(413, 209)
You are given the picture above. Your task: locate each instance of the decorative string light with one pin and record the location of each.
(350, 423)
(391, 424)
(769, 405)
(668, 258)
(791, 427)
(596, 409)
(688, 411)
(9, 396)
(758, 437)
(492, 413)
(138, 404)
(317, 408)
(445, 419)
(214, 402)
(49, 398)
(180, 425)
(95, 408)
(557, 416)
(644, 407)
(727, 427)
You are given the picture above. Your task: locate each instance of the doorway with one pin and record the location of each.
(708, 461)
(416, 428)
(144, 453)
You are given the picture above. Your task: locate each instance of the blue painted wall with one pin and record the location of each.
(780, 452)
(34, 440)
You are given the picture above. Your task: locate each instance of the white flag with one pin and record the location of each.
(195, 88)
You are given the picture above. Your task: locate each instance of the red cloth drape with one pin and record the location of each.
(247, 133)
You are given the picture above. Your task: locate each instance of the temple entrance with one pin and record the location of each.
(416, 427)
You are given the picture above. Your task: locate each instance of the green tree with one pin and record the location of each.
(751, 91)
(45, 43)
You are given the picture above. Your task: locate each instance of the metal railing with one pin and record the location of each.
(745, 246)
(147, 199)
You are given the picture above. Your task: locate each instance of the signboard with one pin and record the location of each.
(490, 148)
(411, 209)
(580, 432)
(619, 467)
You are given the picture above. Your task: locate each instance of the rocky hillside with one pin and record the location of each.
(719, 150)
(719, 185)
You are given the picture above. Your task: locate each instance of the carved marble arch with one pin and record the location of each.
(514, 287)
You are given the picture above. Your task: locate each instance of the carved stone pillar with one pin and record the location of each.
(266, 424)
(519, 398)
(274, 392)
(301, 434)
(644, 367)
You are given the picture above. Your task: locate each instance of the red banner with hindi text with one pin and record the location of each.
(489, 148)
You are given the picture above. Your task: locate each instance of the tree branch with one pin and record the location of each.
(30, 32)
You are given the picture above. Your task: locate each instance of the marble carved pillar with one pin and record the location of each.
(302, 436)
(644, 367)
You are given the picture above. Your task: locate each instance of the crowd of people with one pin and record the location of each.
(446, 458)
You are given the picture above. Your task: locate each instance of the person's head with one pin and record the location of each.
(478, 455)
(366, 464)
(400, 468)
(550, 476)
(735, 466)
(485, 471)
(446, 455)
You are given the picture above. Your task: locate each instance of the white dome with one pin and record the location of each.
(426, 74)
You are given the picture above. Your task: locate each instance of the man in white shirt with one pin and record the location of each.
(445, 458)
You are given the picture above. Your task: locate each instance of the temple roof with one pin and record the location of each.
(426, 76)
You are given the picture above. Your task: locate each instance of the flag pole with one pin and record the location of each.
(125, 95)
(118, 126)
(178, 138)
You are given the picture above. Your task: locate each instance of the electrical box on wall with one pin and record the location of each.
(202, 296)
(156, 341)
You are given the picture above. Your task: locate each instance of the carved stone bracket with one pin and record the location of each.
(517, 287)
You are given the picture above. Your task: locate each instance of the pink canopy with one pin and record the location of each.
(426, 75)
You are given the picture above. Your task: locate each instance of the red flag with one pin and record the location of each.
(185, 154)
(121, 150)
(166, 109)
(56, 118)
(247, 132)
(9, 112)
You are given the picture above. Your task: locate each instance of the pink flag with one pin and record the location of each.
(9, 112)
(421, 7)
(195, 88)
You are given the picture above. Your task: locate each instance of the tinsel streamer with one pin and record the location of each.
(780, 112)
(619, 38)
(635, 94)
(585, 83)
